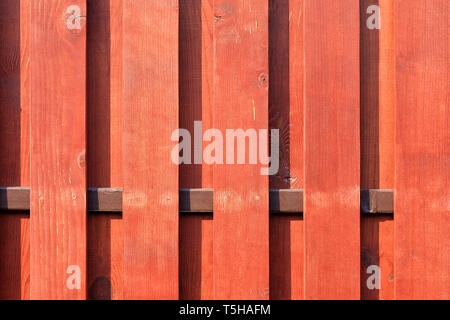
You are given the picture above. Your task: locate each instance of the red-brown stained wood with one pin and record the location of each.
(196, 93)
(196, 257)
(150, 200)
(58, 147)
(332, 213)
(377, 94)
(105, 257)
(14, 140)
(377, 137)
(286, 89)
(104, 107)
(286, 257)
(10, 93)
(104, 93)
(422, 163)
(377, 250)
(196, 82)
(241, 217)
(15, 251)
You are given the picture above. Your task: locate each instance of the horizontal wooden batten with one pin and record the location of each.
(200, 200)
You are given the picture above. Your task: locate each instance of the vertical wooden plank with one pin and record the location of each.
(286, 257)
(422, 203)
(14, 139)
(387, 95)
(332, 214)
(286, 115)
(150, 199)
(104, 93)
(15, 251)
(10, 93)
(196, 82)
(196, 257)
(377, 94)
(377, 135)
(196, 93)
(58, 146)
(286, 89)
(105, 257)
(241, 220)
(104, 133)
(377, 251)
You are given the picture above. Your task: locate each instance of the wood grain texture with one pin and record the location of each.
(104, 152)
(150, 202)
(377, 95)
(241, 217)
(377, 142)
(196, 257)
(196, 74)
(422, 162)
(15, 252)
(332, 232)
(14, 93)
(196, 82)
(58, 147)
(105, 257)
(287, 257)
(377, 249)
(286, 89)
(14, 142)
(104, 93)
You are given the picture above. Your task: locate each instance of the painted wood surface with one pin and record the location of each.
(15, 145)
(104, 142)
(241, 217)
(286, 89)
(196, 52)
(58, 148)
(104, 148)
(332, 158)
(104, 93)
(422, 162)
(150, 102)
(377, 85)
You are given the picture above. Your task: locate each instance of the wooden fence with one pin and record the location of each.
(92, 207)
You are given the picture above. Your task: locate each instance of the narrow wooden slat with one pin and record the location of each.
(58, 147)
(287, 257)
(196, 83)
(332, 232)
(10, 89)
(150, 204)
(377, 144)
(105, 257)
(377, 251)
(104, 93)
(104, 148)
(196, 257)
(286, 89)
(241, 222)
(422, 163)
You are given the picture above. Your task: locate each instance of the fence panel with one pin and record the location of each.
(246, 248)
